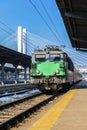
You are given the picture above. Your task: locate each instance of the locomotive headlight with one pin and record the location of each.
(41, 73)
(62, 66)
(57, 71)
(37, 71)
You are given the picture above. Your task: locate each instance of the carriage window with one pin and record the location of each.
(70, 64)
(64, 57)
(55, 57)
(40, 57)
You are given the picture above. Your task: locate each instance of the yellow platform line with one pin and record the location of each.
(46, 121)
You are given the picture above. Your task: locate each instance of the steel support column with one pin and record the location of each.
(15, 74)
(2, 74)
(25, 77)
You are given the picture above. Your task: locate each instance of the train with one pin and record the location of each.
(52, 69)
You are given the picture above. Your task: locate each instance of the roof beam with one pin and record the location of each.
(79, 40)
(76, 15)
(81, 49)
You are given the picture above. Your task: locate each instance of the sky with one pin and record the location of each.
(14, 13)
(34, 16)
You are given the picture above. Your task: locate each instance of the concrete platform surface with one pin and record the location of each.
(74, 116)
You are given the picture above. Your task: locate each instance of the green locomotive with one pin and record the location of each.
(51, 69)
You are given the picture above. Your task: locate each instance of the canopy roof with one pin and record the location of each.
(10, 56)
(74, 14)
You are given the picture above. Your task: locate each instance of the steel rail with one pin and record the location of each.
(12, 103)
(22, 115)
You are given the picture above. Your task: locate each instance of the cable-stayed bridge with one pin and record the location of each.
(34, 41)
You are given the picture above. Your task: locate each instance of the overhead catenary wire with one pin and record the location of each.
(57, 33)
(12, 38)
(5, 30)
(8, 39)
(34, 6)
(76, 55)
(39, 40)
(71, 51)
(78, 59)
(48, 15)
(75, 52)
(74, 59)
(7, 26)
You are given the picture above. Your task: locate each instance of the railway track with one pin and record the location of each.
(17, 92)
(14, 112)
(14, 88)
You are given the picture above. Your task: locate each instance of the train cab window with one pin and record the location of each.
(55, 57)
(40, 57)
(70, 64)
(65, 57)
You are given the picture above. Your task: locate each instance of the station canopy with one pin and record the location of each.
(13, 57)
(74, 14)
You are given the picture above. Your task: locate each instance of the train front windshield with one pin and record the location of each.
(51, 57)
(56, 57)
(40, 58)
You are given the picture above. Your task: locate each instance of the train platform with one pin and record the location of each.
(68, 112)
